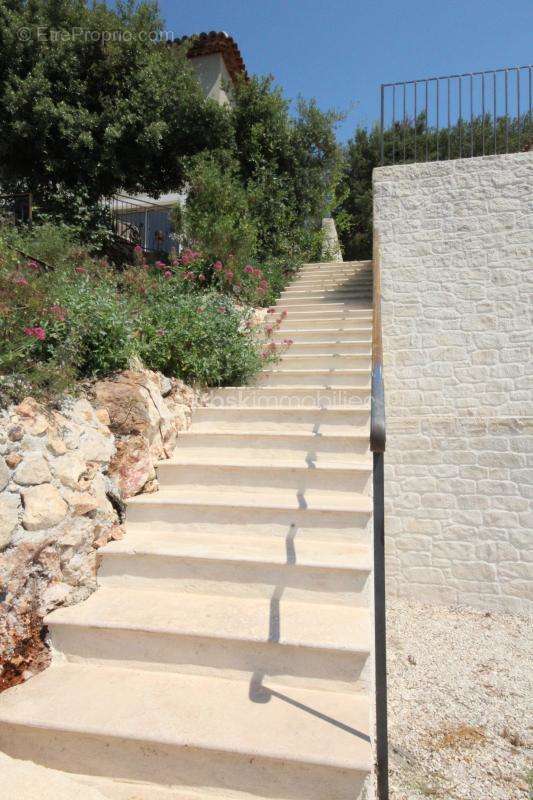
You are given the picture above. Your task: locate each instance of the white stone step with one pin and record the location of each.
(246, 475)
(294, 643)
(308, 570)
(191, 731)
(291, 360)
(290, 299)
(274, 512)
(362, 327)
(294, 450)
(325, 331)
(266, 419)
(322, 347)
(331, 284)
(289, 397)
(330, 311)
(279, 376)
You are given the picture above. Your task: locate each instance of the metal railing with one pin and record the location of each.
(140, 221)
(457, 116)
(377, 446)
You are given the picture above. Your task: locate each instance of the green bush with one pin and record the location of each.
(216, 217)
(200, 338)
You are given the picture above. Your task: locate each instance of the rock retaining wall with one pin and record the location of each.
(64, 473)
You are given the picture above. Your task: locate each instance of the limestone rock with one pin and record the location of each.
(31, 417)
(68, 469)
(5, 474)
(136, 407)
(95, 446)
(32, 470)
(81, 503)
(9, 509)
(13, 459)
(43, 507)
(56, 445)
(132, 467)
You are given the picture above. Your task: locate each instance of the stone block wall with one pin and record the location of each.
(455, 245)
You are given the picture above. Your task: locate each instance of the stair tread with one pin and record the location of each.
(211, 457)
(338, 554)
(295, 724)
(255, 497)
(217, 616)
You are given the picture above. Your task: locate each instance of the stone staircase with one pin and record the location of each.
(226, 654)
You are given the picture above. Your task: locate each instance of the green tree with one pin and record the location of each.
(86, 111)
(287, 164)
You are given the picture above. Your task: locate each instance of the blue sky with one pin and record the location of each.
(339, 51)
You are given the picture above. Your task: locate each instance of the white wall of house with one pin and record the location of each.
(455, 244)
(213, 76)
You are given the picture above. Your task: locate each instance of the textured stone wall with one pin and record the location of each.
(455, 244)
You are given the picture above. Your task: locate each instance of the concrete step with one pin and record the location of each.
(302, 568)
(279, 376)
(293, 643)
(246, 475)
(191, 731)
(294, 450)
(334, 419)
(334, 284)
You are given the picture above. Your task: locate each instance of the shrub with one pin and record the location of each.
(82, 319)
(200, 338)
(216, 218)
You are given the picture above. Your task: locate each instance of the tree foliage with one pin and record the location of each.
(83, 110)
(409, 143)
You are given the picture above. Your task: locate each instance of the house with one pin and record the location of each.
(146, 220)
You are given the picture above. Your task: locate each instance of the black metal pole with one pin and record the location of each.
(380, 630)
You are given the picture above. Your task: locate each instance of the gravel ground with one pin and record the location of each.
(459, 698)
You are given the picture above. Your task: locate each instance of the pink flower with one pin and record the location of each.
(188, 256)
(32, 265)
(269, 329)
(271, 311)
(283, 314)
(221, 309)
(288, 342)
(189, 276)
(167, 273)
(264, 284)
(36, 333)
(249, 270)
(137, 248)
(201, 277)
(229, 275)
(58, 312)
(81, 270)
(217, 266)
(20, 280)
(257, 273)
(160, 264)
